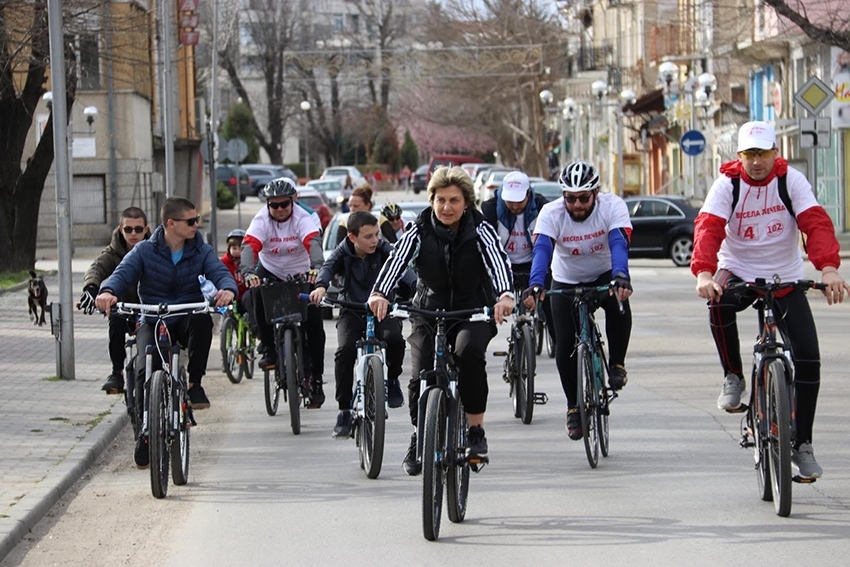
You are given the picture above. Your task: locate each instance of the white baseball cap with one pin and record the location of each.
(760, 135)
(515, 187)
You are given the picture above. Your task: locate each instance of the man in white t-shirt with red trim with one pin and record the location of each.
(748, 228)
(588, 233)
(286, 241)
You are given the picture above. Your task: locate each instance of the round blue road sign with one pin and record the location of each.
(692, 142)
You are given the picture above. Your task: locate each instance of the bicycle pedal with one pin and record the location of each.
(541, 398)
(478, 466)
(746, 443)
(740, 409)
(500, 353)
(192, 421)
(803, 480)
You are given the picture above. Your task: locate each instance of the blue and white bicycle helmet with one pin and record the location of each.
(579, 176)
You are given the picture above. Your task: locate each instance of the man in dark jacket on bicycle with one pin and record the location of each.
(358, 259)
(132, 230)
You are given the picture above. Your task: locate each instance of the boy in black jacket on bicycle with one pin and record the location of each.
(357, 260)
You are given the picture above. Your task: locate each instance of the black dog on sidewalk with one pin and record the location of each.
(37, 300)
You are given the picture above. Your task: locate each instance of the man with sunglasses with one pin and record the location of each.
(748, 228)
(284, 240)
(588, 234)
(132, 229)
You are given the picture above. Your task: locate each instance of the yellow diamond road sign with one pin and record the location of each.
(814, 96)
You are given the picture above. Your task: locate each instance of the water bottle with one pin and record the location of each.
(207, 288)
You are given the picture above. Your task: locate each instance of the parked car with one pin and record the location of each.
(491, 183)
(262, 174)
(316, 201)
(340, 172)
(235, 178)
(662, 227)
(419, 180)
(549, 189)
(330, 189)
(450, 160)
(473, 168)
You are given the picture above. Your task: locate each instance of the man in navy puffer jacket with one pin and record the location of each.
(166, 269)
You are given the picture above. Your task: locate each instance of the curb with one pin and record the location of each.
(38, 502)
(23, 284)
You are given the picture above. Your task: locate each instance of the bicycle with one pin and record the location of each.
(285, 308)
(369, 411)
(237, 345)
(543, 332)
(521, 365)
(593, 396)
(166, 414)
(769, 427)
(441, 449)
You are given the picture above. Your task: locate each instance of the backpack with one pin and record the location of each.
(783, 195)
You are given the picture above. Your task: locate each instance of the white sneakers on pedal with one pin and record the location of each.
(733, 390)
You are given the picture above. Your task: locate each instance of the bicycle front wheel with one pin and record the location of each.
(180, 446)
(158, 444)
(587, 404)
(230, 349)
(287, 357)
(372, 425)
(602, 409)
(433, 447)
(527, 369)
(539, 334)
(779, 442)
(457, 476)
(247, 358)
(271, 379)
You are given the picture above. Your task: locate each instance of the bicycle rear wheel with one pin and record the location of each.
(457, 476)
(602, 408)
(158, 444)
(287, 355)
(271, 378)
(587, 405)
(247, 359)
(779, 431)
(539, 334)
(525, 376)
(180, 446)
(230, 349)
(433, 445)
(758, 430)
(371, 429)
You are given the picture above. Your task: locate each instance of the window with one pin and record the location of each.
(338, 23)
(88, 200)
(354, 23)
(89, 60)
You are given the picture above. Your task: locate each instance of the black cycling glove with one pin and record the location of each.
(533, 291)
(621, 281)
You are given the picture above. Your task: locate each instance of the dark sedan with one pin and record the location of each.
(662, 227)
(420, 179)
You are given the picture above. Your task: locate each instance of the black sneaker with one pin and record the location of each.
(395, 398)
(142, 456)
(342, 429)
(317, 394)
(617, 376)
(411, 467)
(477, 450)
(198, 398)
(574, 424)
(269, 360)
(114, 384)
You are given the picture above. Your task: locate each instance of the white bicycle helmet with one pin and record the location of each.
(579, 176)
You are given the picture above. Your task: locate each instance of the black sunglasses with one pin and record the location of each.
(280, 205)
(584, 199)
(190, 222)
(132, 229)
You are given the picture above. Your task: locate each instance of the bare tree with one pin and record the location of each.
(24, 56)
(826, 22)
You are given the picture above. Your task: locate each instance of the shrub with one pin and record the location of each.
(226, 198)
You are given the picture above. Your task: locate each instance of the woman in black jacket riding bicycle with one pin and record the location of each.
(461, 265)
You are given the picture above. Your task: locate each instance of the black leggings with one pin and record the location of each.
(119, 327)
(468, 341)
(794, 318)
(618, 329)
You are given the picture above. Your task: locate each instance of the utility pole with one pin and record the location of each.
(65, 342)
(212, 130)
(168, 97)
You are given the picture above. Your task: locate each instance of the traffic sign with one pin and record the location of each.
(815, 132)
(692, 142)
(814, 96)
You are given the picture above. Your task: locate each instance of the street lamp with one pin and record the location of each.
(546, 100)
(627, 99)
(569, 113)
(305, 106)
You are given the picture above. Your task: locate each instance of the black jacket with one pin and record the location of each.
(456, 271)
(357, 275)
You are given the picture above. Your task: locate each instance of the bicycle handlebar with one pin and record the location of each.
(402, 311)
(353, 305)
(160, 309)
(762, 287)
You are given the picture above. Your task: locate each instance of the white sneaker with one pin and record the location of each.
(733, 389)
(803, 459)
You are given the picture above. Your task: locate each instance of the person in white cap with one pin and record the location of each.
(584, 237)
(748, 228)
(513, 213)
